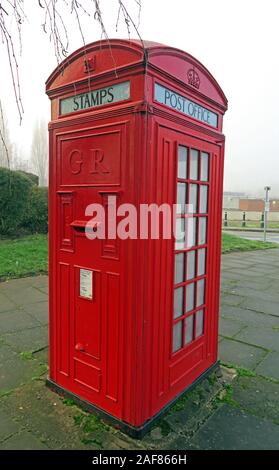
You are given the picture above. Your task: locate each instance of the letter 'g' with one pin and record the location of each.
(76, 161)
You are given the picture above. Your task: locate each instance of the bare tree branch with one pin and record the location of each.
(14, 10)
(54, 24)
(3, 139)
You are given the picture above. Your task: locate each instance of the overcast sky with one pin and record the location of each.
(236, 40)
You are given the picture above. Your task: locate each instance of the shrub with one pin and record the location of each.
(15, 190)
(36, 217)
(31, 176)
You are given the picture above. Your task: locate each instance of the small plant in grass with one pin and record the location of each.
(26, 355)
(226, 396)
(93, 423)
(78, 419)
(242, 372)
(42, 370)
(165, 427)
(212, 379)
(90, 423)
(93, 427)
(181, 402)
(68, 402)
(94, 442)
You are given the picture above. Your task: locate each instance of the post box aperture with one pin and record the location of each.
(135, 197)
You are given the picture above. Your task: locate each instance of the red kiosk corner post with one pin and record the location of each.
(133, 321)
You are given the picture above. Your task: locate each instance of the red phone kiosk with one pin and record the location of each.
(133, 321)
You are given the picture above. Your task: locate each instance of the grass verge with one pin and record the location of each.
(28, 256)
(232, 243)
(25, 256)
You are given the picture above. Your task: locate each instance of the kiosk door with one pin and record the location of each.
(193, 315)
(90, 170)
(191, 309)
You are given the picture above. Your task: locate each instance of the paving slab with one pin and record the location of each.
(233, 429)
(5, 303)
(269, 366)
(5, 354)
(234, 300)
(23, 441)
(242, 290)
(25, 295)
(260, 285)
(42, 412)
(248, 392)
(260, 305)
(41, 282)
(239, 354)
(8, 426)
(229, 327)
(28, 340)
(20, 282)
(16, 371)
(17, 320)
(42, 355)
(39, 311)
(267, 338)
(249, 317)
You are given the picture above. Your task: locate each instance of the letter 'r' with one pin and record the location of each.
(97, 162)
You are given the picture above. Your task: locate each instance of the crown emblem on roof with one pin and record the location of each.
(90, 64)
(193, 78)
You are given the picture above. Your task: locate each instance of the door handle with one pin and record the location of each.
(79, 347)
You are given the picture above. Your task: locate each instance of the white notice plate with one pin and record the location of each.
(85, 284)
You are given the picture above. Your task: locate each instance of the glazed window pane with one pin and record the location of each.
(199, 323)
(193, 198)
(179, 268)
(191, 228)
(178, 302)
(190, 297)
(177, 337)
(181, 198)
(180, 234)
(204, 166)
(194, 158)
(201, 261)
(200, 292)
(203, 199)
(202, 230)
(189, 333)
(191, 265)
(182, 162)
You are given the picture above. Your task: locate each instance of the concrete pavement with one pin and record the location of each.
(236, 408)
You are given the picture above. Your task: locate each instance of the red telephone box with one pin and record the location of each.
(133, 322)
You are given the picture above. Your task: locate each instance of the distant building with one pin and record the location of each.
(274, 205)
(231, 199)
(257, 205)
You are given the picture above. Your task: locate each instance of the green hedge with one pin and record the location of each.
(23, 205)
(36, 217)
(31, 176)
(15, 190)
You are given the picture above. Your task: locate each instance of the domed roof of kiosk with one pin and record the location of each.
(131, 52)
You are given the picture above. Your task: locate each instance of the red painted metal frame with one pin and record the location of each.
(128, 368)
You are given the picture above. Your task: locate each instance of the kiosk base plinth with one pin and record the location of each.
(135, 432)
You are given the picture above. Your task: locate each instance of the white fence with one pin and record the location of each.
(237, 215)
